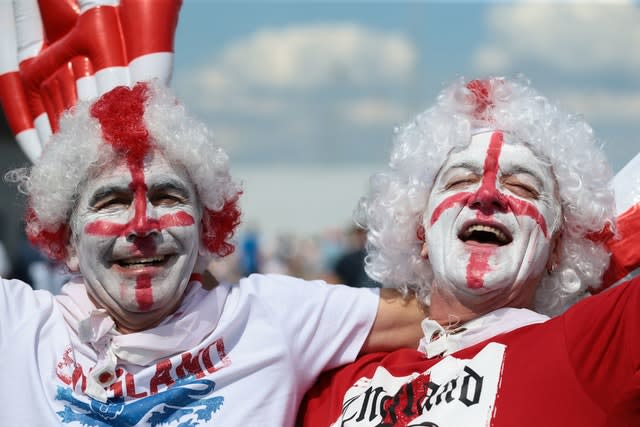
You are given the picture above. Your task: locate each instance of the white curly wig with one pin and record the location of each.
(392, 210)
(123, 122)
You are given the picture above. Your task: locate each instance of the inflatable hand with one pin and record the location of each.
(54, 52)
(623, 240)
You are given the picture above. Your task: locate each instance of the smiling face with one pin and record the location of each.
(136, 234)
(491, 220)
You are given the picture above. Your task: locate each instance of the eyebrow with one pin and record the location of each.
(170, 185)
(514, 170)
(523, 170)
(463, 165)
(167, 184)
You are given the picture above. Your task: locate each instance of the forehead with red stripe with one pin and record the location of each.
(120, 113)
(489, 189)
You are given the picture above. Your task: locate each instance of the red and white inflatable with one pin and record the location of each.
(624, 244)
(54, 52)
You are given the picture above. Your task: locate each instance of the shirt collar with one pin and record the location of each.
(438, 341)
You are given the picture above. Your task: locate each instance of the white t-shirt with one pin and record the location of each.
(263, 343)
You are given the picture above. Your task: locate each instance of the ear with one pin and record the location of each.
(424, 253)
(202, 249)
(72, 261)
(421, 235)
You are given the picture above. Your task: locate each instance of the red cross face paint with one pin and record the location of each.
(136, 232)
(490, 217)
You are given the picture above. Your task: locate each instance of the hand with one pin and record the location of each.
(54, 52)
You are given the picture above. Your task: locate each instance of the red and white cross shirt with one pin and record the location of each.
(578, 369)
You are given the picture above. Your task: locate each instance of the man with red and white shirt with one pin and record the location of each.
(491, 212)
(134, 196)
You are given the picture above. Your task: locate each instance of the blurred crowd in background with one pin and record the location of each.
(335, 256)
(26, 263)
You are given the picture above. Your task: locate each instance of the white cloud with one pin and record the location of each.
(311, 56)
(490, 58)
(603, 105)
(212, 79)
(570, 36)
(291, 92)
(372, 111)
(226, 136)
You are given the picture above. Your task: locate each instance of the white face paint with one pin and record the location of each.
(490, 219)
(136, 235)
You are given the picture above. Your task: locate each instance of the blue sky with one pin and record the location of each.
(304, 95)
(324, 83)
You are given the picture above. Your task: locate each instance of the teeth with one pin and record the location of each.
(485, 228)
(137, 261)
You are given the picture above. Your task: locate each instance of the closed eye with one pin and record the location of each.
(111, 200)
(461, 182)
(520, 188)
(168, 195)
(166, 200)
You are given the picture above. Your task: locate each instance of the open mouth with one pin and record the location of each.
(133, 263)
(485, 234)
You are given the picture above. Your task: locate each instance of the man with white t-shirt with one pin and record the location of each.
(493, 211)
(132, 194)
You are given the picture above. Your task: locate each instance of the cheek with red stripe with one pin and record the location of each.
(104, 228)
(478, 265)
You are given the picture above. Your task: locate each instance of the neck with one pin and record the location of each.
(450, 308)
(137, 322)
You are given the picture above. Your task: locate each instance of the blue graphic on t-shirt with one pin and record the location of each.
(182, 401)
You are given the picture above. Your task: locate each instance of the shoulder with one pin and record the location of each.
(273, 285)
(276, 281)
(619, 301)
(354, 388)
(22, 309)
(13, 286)
(297, 301)
(17, 293)
(398, 363)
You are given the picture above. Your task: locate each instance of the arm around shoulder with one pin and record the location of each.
(397, 324)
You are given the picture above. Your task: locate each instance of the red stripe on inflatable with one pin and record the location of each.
(67, 81)
(625, 256)
(149, 27)
(58, 17)
(96, 35)
(52, 101)
(82, 67)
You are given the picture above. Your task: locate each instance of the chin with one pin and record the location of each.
(495, 286)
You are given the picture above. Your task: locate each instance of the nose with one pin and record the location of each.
(488, 200)
(137, 233)
(143, 225)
